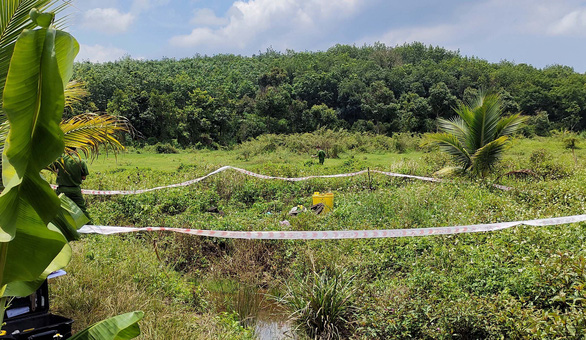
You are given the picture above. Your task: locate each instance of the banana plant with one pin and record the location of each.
(87, 132)
(36, 224)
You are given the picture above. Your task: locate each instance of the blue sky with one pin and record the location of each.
(536, 32)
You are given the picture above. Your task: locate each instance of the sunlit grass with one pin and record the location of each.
(493, 284)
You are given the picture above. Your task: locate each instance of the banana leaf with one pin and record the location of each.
(40, 67)
(121, 327)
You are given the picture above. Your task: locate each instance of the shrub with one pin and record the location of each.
(165, 148)
(537, 125)
(542, 164)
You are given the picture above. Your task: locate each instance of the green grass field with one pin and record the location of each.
(519, 283)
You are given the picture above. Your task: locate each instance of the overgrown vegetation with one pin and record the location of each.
(518, 283)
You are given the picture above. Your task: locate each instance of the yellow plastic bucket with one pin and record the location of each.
(326, 199)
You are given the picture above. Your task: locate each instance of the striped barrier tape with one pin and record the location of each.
(250, 173)
(338, 234)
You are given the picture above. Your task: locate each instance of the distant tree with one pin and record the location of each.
(274, 78)
(478, 136)
(324, 117)
(385, 57)
(571, 142)
(509, 104)
(470, 94)
(350, 92)
(415, 114)
(402, 88)
(379, 104)
(441, 100)
(538, 124)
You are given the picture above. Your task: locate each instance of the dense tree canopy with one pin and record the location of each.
(209, 101)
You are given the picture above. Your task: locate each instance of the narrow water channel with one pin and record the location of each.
(272, 322)
(266, 316)
(273, 330)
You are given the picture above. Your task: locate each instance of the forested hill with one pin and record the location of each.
(224, 99)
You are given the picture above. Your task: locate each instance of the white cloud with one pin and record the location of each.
(99, 53)
(549, 18)
(270, 22)
(479, 22)
(573, 23)
(207, 17)
(107, 20)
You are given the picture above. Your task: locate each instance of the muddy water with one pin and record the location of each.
(273, 323)
(273, 330)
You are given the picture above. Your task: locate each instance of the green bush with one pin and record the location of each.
(165, 148)
(541, 162)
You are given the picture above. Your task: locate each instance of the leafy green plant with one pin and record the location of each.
(322, 304)
(478, 136)
(121, 327)
(541, 162)
(86, 132)
(571, 142)
(35, 224)
(33, 102)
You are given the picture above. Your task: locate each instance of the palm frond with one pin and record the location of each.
(456, 126)
(509, 125)
(449, 144)
(88, 132)
(14, 17)
(449, 171)
(485, 121)
(75, 91)
(485, 158)
(465, 113)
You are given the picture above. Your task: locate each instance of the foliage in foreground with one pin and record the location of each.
(36, 226)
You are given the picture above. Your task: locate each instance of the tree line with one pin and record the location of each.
(207, 101)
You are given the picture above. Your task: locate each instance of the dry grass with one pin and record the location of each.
(96, 288)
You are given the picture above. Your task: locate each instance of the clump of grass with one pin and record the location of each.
(322, 304)
(248, 303)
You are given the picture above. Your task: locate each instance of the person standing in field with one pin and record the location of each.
(321, 155)
(71, 171)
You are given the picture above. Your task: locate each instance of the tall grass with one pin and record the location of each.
(248, 304)
(322, 304)
(519, 283)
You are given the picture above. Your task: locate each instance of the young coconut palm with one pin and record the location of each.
(477, 137)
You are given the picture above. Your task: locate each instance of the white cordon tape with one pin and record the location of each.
(339, 234)
(250, 173)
